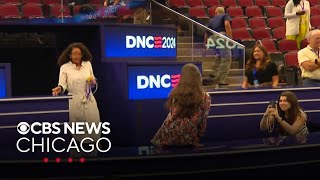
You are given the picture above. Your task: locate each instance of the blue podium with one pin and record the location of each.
(138, 71)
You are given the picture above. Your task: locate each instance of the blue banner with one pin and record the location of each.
(2, 83)
(152, 82)
(135, 41)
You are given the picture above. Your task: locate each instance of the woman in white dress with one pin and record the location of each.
(76, 76)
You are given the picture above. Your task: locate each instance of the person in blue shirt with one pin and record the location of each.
(220, 23)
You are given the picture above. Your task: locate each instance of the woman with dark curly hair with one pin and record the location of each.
(76, 76)
(188, 105)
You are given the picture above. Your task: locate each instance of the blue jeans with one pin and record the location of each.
(222, 61)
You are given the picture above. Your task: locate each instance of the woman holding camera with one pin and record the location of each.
(286, 115)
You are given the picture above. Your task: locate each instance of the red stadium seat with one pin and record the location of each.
(275, 22)
(279, 3)
(178, 3)
(193, 3)
(270, 45)
(304, 43)
(238, 23)
(257, 23)
(279, 32)
(31, 1)
(243, 36)
(235, 11)
(246, 3)
(262, 3)
(198, 12)
(9, 11)
(315, 21)
(253, 11)
(52, 2)
(286, 45)
(240, 34)
(15, 2)
(315, 10)
(212, 11)
(210, 3)
(261, 33)
(228, 3)
(55, 11)
(272, 11)
(32, 10)
(291, 59)
(314, 2)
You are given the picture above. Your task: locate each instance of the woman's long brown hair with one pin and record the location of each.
(252, 61)
(294, 111)
(188, 95)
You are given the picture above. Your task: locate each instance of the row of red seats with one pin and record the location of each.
(33, 10)
(30, 10)
(227, 3)
(250, 11)
(247, 34)
(274, 16)
(268, 11)
(273, 22)
(48, 2)
(257, 22)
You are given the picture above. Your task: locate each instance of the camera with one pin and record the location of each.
(273, 104)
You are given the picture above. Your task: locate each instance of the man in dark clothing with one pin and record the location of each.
(220, 23)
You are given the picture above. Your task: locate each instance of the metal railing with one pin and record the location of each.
(201, 47)
(195, 22)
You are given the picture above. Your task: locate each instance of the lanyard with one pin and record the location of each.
(254, 73)
(302, 6)
(316, 52)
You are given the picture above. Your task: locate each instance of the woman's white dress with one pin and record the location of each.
(82, 108)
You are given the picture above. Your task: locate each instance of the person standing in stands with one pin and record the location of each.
(309, 60)
(76, 77)
(220, 23)
(260, 70)
(188, 105)
(297, 13)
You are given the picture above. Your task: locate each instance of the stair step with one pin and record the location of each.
(189, 45)
(231, 73)
(195, 51)
(209, 64)
(201, 52)
(234, 80)
(229, 87)
(196, 58)
(184, 39)
(186, 51)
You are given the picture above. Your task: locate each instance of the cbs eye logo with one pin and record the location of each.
(23, 128)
